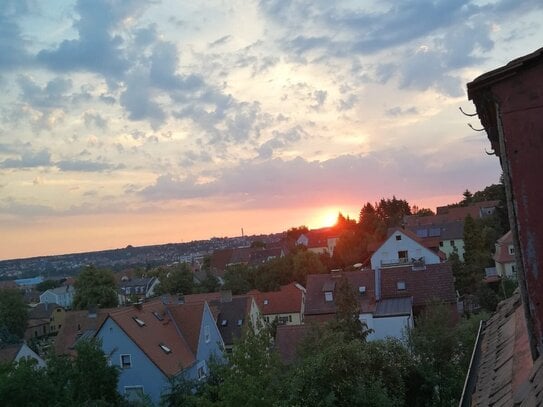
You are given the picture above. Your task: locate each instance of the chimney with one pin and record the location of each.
(377, 284)
(226, 296)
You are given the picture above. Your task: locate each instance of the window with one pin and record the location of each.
(126, 361)
(328, 296)
(158, 316)
(400, 285)
(440, 244)
(403, 256)
(207, 334)
(452, 243)
(240, 322)
(290, 318)
(201, 371)
(140, 322)
(133, 393)
(58, 309)
(224, 322)
(513, 269)
(511, 250)
(166, 349)
(398, 237)
(266, 302)
(362, 290)
(267, 319)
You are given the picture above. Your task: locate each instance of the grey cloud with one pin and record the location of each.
(94, 119)
(347, 104)
(12, 42)
(52, 95)
(107, 99)
(398, 111)
(221, 41)
(278, 182)
(96, 49)
(28, 160)
(83, 166)
(319, 96)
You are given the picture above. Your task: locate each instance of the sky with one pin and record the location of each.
(146, 122)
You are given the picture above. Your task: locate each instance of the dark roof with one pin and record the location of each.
(505, 359)
(8, 353)
(394, 306)
(219, 260)
(318, 283)
(264, 255)
(137, 282)
(435, 282)
(232, 312)
(75, 324)
(42, 310)
(288, 339)
(241, 255)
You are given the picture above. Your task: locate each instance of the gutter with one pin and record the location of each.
(473, 369)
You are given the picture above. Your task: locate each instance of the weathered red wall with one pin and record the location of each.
(521, 106)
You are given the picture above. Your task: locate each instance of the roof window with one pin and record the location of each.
(362, 290)
(266, 302)
(165, 348)
(224, 322)
(139, 321)
(158, 316)
(240, 322)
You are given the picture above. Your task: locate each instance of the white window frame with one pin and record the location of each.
(129, 366)
(134, 387)
(328, 296)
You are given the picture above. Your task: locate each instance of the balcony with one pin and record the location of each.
(418, 264)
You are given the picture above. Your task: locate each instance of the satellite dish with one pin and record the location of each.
(357, 265)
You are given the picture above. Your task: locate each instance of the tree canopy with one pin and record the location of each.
(95, 287)
(13, 315)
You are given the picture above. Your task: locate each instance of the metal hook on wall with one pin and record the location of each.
(473, 128)
(467, 114)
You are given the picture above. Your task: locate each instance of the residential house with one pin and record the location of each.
(16, 352)
(504, 256)
(507, 363)
(319, 241)
(63, 296)
(44, 319)
(401, 248)
(78, 326)
(259, 257)
(285, 305)
(154, 342)
(387, 317)
(445, 230)
(232, 314)
(133, 289)
(405, 268)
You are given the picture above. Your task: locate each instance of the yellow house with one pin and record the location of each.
(286, 305)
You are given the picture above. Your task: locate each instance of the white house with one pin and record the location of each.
(402, 248)
(504, 256)
(62, 296)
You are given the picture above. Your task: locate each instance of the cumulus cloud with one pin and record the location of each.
(40, 158)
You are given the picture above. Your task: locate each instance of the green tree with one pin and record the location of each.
(176, 279)
(468, 198)
(239, 279)
(348, 312)
(23, 383)
(13, 313)
(392, 211)
(305, 262)
(348, 248)
(254, 375)
(95, 287)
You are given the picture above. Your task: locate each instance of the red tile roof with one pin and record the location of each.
(156, 332)
(189, 320)
(315, 297)
(434, 282)
(285, 301)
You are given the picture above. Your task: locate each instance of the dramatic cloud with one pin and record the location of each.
(28, 160)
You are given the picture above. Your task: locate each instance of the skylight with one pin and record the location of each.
(140, 322)
(165, 348)
(158, 316)
(240, 322)
(224, 322)
(266, 302)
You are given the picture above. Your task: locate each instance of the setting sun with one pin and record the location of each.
(326, 218)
